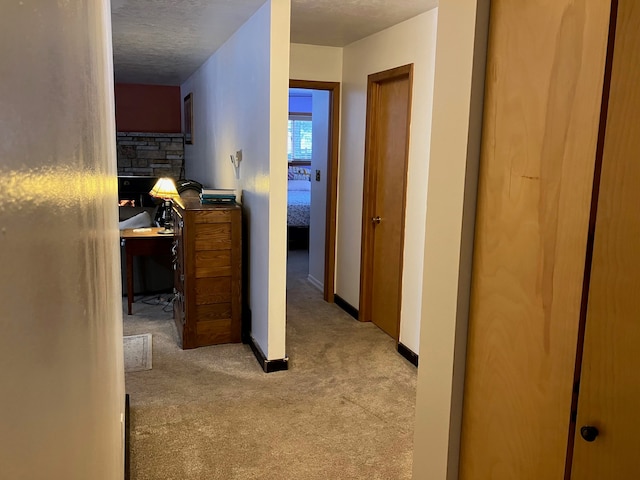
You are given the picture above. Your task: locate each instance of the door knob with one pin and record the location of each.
(376, 220)
(589, 433)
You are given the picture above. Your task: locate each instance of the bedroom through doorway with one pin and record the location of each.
(310, 181)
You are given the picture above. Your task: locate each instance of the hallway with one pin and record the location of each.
(343, 410)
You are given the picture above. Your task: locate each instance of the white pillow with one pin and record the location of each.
(142, 220)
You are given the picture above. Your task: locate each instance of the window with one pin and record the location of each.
(299, 142)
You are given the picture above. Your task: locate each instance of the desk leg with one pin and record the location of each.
(129, 280)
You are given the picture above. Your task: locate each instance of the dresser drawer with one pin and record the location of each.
(212, 236)
(213, 263)
(223, 216)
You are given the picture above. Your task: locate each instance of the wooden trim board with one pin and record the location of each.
(269, 366)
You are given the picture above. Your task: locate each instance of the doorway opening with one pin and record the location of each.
(312, 180)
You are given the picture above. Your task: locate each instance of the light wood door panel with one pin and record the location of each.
(387, 257)
(388, 111)
(610, 384)
(544, 80)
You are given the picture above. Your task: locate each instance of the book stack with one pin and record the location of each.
(211, 195)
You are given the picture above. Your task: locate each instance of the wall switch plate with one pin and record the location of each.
(317, 175)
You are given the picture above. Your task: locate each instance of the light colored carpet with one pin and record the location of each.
(344, 409)
(137, 352)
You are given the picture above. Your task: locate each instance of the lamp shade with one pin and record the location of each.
(164, 188)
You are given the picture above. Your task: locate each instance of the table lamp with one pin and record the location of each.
(165, 189)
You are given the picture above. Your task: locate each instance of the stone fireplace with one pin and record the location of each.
(150, 154)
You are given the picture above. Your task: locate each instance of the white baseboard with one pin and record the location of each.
(314, 281)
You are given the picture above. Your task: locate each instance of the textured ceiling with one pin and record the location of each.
(164, 41)
(338, 23)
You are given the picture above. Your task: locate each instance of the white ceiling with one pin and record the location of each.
(164, 41)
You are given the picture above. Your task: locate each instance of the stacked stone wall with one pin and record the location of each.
(150, 154)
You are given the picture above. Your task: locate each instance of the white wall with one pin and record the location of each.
(412, 41)
(317, 223)
(240, 100)
(279, 82)
(61, 343)
(312, 62)
(448, 247)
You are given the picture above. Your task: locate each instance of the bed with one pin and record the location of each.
(298, 206)
(298, 197)
(298, 203)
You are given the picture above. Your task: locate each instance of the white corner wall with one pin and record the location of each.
(61, 357)
(412, 41)
(313, 62)
(240, 102)
(448, 247)
(279, 118)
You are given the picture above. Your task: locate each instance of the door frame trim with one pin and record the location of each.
(370, 180)
(332, 180)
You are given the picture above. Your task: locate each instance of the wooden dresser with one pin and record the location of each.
(207, 269)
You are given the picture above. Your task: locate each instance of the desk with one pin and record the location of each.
(148, 242)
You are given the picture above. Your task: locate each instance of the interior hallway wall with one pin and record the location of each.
(313, 62)
(412, 41)
(240, 102)
(61, 357)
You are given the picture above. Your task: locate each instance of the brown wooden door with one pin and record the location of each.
(388, 114)
(544, 83)
(610, 379)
